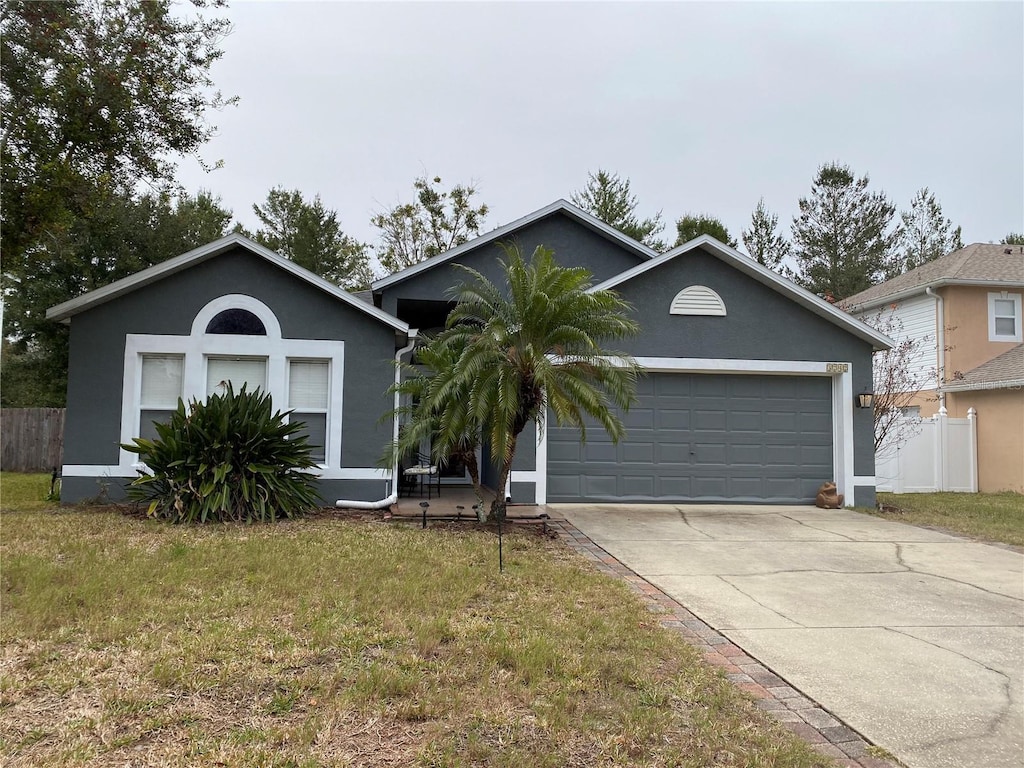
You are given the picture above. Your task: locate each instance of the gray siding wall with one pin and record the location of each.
(760, 324)
(169, 306)
(573, 243)
(76, 490)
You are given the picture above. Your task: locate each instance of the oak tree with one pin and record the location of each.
(437, 221)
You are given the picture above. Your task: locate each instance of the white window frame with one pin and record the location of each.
(298, 412)
(199, 346)
(1017, 335)
(156, 406)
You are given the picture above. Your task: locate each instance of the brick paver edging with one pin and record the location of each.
(796, 712)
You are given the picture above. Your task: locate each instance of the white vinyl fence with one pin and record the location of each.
(941, 455)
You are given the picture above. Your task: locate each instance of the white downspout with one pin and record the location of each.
(940, 335)
(393, 496)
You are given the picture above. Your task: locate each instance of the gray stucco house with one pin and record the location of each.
(749, 395)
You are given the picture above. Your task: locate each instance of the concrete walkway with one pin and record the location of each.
(911, 637)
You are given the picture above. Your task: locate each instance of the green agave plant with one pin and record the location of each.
(231, 458)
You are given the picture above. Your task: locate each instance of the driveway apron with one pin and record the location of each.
(912, 637)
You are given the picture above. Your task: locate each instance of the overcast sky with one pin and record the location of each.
(704, 107)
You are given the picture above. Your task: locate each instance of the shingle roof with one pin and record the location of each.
(975, 263)
(1005, 370)
(559, 206)
(65, 311)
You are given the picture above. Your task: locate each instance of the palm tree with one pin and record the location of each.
(445, 425)
(519, 350)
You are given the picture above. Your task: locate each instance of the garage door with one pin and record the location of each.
(703, 437)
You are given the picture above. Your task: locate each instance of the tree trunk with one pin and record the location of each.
(468, 457)
(498, 505)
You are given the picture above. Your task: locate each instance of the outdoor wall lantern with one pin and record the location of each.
(865, 399)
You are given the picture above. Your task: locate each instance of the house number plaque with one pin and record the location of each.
(837, 367)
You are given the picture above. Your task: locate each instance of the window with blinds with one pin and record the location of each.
(250, 371)
(161, 389)
(308, 397)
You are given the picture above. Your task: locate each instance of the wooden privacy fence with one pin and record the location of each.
(31, 439)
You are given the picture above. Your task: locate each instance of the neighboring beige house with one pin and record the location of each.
(969, 304)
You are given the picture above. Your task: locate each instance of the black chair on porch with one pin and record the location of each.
(422, 473)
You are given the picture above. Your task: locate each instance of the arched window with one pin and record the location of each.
(697, 300)
(241, 322)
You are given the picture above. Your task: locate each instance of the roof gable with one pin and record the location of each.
(975, 264)
(559, 206)
(65, 311)
(762, 274)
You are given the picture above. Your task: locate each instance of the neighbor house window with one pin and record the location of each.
(1004, 316)
(238, 371)
(161, 389)
(308, 398)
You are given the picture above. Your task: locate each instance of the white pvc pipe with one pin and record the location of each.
(388, 500)
(940, 333)
(380, 504)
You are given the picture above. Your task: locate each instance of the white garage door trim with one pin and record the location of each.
(841, 374)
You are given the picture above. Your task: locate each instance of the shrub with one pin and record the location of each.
(231, 458)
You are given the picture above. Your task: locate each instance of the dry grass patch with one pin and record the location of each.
(327, 642)
(986, 516)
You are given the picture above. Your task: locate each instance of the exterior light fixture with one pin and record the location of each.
(865, 399)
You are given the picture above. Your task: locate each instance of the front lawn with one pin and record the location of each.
(330, 642)
(985, 516)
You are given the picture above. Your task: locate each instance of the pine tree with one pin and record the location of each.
(761, 241)
(609, 198)
(694, 225)
(311, 236)
(924, 235)
(842, 239)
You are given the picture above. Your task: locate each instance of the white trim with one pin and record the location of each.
(724, 365)
(200, 346)
(67, 309)
(196, 351)
(95, 470)
(563, 206)
(541, 488)
(842, 409)
(762, 274)
(538, 476)
(237, 301)
(842, 420)
(130, 472)
(353, 473)
(1016, 336)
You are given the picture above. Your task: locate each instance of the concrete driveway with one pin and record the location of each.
(912, 637)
